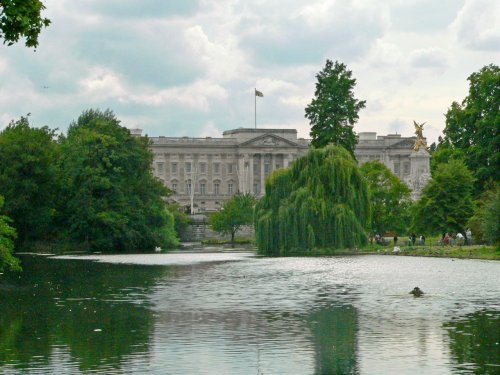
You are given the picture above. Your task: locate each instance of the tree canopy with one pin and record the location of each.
(235, 212)
(389, 198)
(447, 202)
(334, 110)
(20, 19)
(29, 177)
(7, 236)
(473, 127)
(112, 201)
(319, 203)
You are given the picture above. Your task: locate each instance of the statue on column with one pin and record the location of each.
(420, 142)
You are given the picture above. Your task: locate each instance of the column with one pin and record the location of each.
(241, 173)
(250, 173)
(262, 176)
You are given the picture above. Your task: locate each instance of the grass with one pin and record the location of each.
(465, 252)
(237, 240)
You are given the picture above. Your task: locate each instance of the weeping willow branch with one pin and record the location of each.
(320, 202)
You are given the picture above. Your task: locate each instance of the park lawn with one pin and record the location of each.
(465, 252)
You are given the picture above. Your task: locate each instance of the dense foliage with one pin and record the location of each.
(485, 223)
(29, 178)
(334, 109)
(20, 19)
(7, 236)
(447, 201)
(112, 202)
(472, 129)
(235, 212)
(320, 202)
(389, 198)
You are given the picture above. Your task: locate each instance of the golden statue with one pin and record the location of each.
(420, 141)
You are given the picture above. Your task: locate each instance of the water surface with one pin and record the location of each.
(233, 313)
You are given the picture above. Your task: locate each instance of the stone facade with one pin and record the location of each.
(205, 172)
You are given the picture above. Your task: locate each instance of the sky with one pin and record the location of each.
(189, 67)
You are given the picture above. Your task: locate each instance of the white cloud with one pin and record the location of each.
(210, 130)
(477, 26)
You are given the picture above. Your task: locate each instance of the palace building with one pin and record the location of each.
(205, 172)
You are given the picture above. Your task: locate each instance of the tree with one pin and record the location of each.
(473, 126)
(389, 198)
(7, 236)
(485, 223)
(21, 19)
(29, 178)
(334, 110)
(234, 213)
(111, 201)
(446, 203)
(320, 202)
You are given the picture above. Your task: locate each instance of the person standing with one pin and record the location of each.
(413, 239)
(468, 236)
(395, 240)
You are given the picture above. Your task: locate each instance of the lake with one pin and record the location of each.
(235, 313)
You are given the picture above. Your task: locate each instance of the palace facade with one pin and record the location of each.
(205, 172)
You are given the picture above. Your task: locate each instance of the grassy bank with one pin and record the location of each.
(463, 252)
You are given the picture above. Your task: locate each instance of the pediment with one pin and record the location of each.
(405, 143)
(268, 140)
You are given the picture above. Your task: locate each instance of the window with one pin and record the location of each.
(396, 168)
(203, 168)
(216, 168)
(159, 168)
(203, 188)
(278, 166)
(406, 167)
(256, 168)
(229, 168)
(174, 186)
(188, 167)
(256, 188)
(188, 187)
(216, 188)
(267, 168)
(230, 188)
(174, 167)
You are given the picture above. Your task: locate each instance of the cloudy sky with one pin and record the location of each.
(189, 67)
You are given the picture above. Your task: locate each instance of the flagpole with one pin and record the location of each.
(255, 98)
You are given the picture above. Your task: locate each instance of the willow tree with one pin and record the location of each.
(320, 202)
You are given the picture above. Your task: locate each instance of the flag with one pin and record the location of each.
(258, 93)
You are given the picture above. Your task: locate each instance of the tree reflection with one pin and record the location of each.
(334, 332)
(97, 311)
(474, 342)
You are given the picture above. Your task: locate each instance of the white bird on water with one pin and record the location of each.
(157, 249)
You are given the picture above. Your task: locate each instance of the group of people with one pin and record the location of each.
(457, 238)
(412, 240)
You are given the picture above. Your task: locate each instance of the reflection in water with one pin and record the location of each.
(335, 340)
(475, 342)
(91, 311)
(236, 314)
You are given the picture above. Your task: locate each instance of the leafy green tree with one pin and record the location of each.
(334, 109)
(320, 203)
(485, 223)
(446, 203)
(111, 201)
(473, 126)
(29, 178)
(389, 198)
(20, 19)
(235, 212)
(7, 236)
